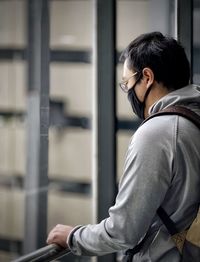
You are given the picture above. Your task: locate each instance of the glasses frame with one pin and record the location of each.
(123, 84)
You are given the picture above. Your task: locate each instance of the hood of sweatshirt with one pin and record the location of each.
(188, 96)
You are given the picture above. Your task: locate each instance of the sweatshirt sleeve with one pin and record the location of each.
(146, 179)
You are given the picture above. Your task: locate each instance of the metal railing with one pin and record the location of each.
(45, 254)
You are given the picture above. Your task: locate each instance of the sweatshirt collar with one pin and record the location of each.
(188, 96)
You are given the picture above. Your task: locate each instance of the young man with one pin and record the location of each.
(162, 162)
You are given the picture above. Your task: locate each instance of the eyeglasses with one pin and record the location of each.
(123, 84)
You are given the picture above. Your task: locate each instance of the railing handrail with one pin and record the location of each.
(47, 253)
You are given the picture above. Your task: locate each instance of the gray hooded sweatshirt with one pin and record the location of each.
(162, 168)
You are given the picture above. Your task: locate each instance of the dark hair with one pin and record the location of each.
(163, 55)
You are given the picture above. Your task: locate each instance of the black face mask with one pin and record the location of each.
(137, 106)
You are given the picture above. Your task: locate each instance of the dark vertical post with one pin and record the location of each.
(36, 180)
(106, 108)
(185, 28)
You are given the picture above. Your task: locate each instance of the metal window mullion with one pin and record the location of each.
(104, 185)
(36, 179)
(185, 28)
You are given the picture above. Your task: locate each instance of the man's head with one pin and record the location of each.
(163, 55)
(154, 65)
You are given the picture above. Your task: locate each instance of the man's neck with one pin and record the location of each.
(157, 92)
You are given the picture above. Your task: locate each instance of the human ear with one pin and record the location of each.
(148, 76)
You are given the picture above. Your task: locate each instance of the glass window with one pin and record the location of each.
(71, 85)
(12, 126)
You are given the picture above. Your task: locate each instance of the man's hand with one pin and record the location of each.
(59, 234)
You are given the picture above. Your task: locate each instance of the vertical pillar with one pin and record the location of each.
(185, 28)
(36, 179)
(105, 109)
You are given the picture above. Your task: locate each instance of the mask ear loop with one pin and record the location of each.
(139, 103)
(145, 97)
(147, 92)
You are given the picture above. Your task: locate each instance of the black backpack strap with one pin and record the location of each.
(195, 119)
(131, 252)
(170, 225)
(177, 110)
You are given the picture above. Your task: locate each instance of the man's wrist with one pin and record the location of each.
(70, 237)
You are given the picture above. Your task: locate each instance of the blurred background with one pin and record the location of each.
(64, 123)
